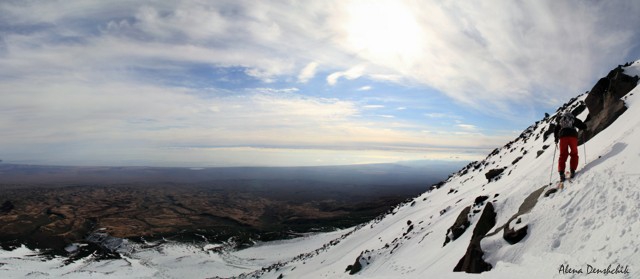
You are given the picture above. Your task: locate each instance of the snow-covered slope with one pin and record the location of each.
(593, 224)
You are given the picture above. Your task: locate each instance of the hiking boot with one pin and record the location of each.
(562, 178)
(573, 174)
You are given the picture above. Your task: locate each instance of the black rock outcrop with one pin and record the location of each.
(479, 200)
(459, 226)
(604, 102)
(491, 174)
(472, 261)
(513, 236)
(356, 267)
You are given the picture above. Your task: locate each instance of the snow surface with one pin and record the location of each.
(594, 222)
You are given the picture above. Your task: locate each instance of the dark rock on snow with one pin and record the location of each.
(551, 191)
(472, 261)
(604, 102)
(514, 236)
(436, 186)
(479, 200)
(516, 160)
(107, 242)
(459, 226)
(548, 132)
(491, 174)
(355, 267)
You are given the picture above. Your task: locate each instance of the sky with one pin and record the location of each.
(293, 83)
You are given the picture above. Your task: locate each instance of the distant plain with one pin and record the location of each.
(51, 207)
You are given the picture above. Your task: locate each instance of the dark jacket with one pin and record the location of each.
(569, 132)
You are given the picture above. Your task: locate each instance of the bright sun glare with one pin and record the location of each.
(383, 30)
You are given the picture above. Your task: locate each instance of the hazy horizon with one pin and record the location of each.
(407, 163)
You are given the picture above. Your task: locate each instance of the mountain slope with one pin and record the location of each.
(594, 223)
(476, 219)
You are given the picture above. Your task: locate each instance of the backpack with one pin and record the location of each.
(566, 120)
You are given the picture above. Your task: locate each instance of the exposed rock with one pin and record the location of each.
(516, 160)
(595, 99)
(409, 229)
(579, 109)
(356, 267)
(436, 186)
(514, 236)
(472, 261)
(491, 174)
(604, 102)
(109, 243)
(551, 191)
(459, 226)
(479, 200)
(528, 203)
(539, 153)
(443, 211)
(548, 131)
(494, 152)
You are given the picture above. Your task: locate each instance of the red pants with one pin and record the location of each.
(568, 148)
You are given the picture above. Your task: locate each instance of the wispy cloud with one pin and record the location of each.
(436, 115)
(467, 127)
(350, 74)
(276, 90)
(308, 72)
(373, 106)
(81, 76)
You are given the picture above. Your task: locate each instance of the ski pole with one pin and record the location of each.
(584, 146)
(553, 160)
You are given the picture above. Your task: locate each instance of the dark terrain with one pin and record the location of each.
(51, 207)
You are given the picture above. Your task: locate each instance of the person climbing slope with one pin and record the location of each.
(566, 137)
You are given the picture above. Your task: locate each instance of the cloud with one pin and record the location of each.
(484, 55)
(497, 56)
(78, 76)
(308, 72)
(373, 106)
(436, 115)
(467, 127)
(122, 123)
(131, 116)
(365, 88)
(276, 90)
(351, 74)
(448, 115)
